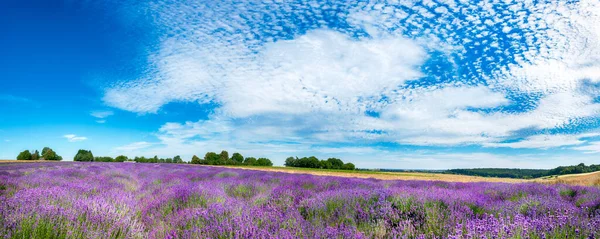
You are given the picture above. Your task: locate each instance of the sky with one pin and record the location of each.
(384, 84)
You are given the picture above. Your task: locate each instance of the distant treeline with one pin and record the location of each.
(87, 156)
(47, 154)
(212, 158)
(525, 173)
(314, 162)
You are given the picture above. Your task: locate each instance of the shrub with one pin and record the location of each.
(25, 155)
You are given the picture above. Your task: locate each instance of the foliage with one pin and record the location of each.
(314, 162)
(238, 158)
(35, 155)
(196, 160)
(263, 162)
(212, 158)
(250, 161)
(84, 156)
(104, 159)
(25, 155)
(49, 154)
(121, 158)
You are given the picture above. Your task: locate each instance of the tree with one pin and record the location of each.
(25, 155)
(237, 157)
(51, 155)
(177, 159)
(290, 162)
(348, 166)
(35, 155)
(263, 162)
(223, 157)
(121, 158)
(195, 160)
(82, 156)
(212, 158)
(250, 161)
(325, 164)
(335, 163)
(45, 150)
(104, 159)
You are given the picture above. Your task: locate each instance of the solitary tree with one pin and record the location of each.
(25, 155)
(83, 156)
(177, 159)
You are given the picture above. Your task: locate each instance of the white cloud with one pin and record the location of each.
(316, 87)
(320, 71)
(101, 114)
(74, 138)
(545, 141)
(592, 147)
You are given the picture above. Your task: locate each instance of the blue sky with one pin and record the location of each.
(385, 84)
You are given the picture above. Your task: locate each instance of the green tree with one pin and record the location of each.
(348, 166)
(82, 156)
(25, 155)
(325, 164)
(51, 155)
(195, 160)
(223, 157)
(263, 162)
(211, 158)
(238, 158)
(35, 155)
(177, 159)
(121, 158)
(335, 163)
(250, 161)
(291, 162)
(45, 150)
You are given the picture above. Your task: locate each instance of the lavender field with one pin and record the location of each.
(121, 200)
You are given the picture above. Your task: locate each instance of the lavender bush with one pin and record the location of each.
(120, 200)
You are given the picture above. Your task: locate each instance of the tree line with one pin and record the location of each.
(314, 162)
(526, 173)
(47, 154)
(87, 156)
(212, 158)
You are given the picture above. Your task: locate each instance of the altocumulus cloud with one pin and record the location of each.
(433, 73)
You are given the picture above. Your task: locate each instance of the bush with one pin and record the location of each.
(121, 158)
(25, 155)
(84, 156)
(263, 162)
